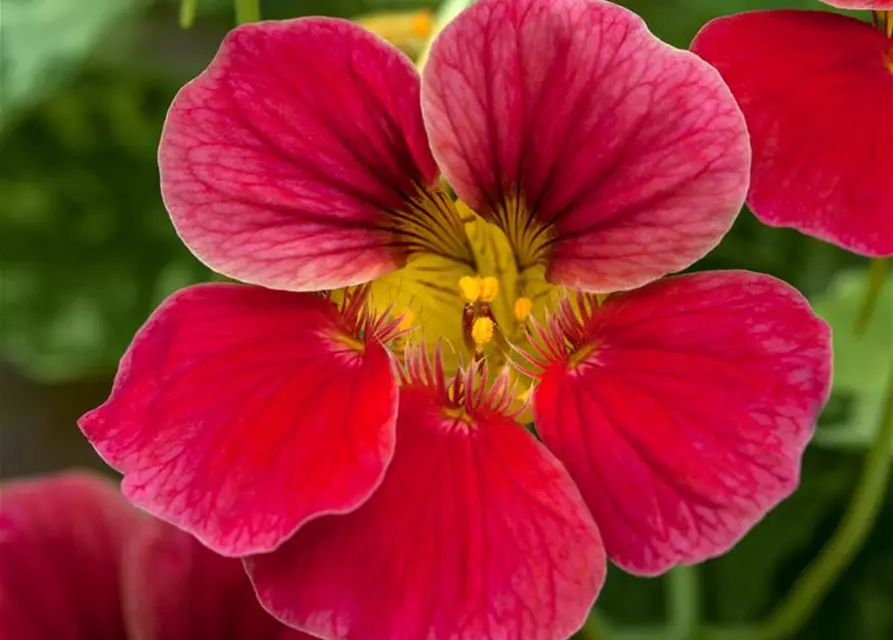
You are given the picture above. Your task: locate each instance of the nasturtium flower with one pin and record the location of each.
(352, 421)
(816, 88)
(80, 563)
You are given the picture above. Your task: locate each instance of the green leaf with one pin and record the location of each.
(861, 362)
(45, 40)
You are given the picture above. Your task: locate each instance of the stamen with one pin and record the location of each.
(489, 288)
(482, 332)
(470, 289)
(523, 307)
(406, 318)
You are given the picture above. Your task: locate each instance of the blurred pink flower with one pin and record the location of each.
(79, 563)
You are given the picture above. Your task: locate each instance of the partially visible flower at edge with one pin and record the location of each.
(351, 426)
(80, 563)
(816, 89)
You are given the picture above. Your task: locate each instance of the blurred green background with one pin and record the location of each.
(87, 251)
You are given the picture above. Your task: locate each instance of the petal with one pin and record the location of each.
(239, 413)
(279, 162)
(816, 89)
(687, 421)
(476, 532)
(61, 539)
(176, 589)
(875, 5)
(600, 149)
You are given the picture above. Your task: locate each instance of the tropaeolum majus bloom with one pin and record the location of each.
(816, 89)
(362, 444)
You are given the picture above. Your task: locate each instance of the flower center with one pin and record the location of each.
(465, 282)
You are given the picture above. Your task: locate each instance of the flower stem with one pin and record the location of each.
(247, 11)
(877, 273)
(683, 587)
(187, 13)
(813, 585)
(447, 10)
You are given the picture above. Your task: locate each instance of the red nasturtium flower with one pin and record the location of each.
(816, 89)
(79, 563)
(382, 489)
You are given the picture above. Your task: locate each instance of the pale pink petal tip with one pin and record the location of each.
(476, 532)
(686, 420)
(625, 158)
(240, 413)
(280, 162)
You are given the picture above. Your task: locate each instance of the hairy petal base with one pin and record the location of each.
(280, 162)
(816, 89)
(615, 156)
(238, 414)
(687, 420)
(476, 532)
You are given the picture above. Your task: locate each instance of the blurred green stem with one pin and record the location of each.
(447, 10)
(813, 585)
(877, 273)
(247, 11)
(187, 13)
(683, 588)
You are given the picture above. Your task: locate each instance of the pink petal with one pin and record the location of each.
(817, 91)
(61, 539)
(176, 589)
(280, 161)
(476, 532)
(630, 155)
(240, 413)
(876, 5)
(687, 421)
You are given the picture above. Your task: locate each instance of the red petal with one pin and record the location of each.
(817, 92)
(61, 539)
(687, 422)
(633, 151)
(176, 589)
(875, 5)
(279, 162)
(476, 532)
(238, 415)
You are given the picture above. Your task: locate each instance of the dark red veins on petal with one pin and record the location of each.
(816, 89)
(684, 418)
(280, 162)
(240, 413)
(601, 151)
(476, 532)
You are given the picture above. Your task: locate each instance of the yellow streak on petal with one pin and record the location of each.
(482, 331)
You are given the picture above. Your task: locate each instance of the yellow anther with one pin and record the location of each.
(482, 331)
(423, 23)
(523, 307)
(470, 289)
(406, 319)
(489, 288)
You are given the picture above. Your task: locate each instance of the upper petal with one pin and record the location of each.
(600, 149)
(280, 162)
(61, 542)
(176, 589)
(476, 532)
(687, 420)
(816, 89)
(239, 413)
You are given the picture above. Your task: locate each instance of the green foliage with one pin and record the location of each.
(861, 361)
